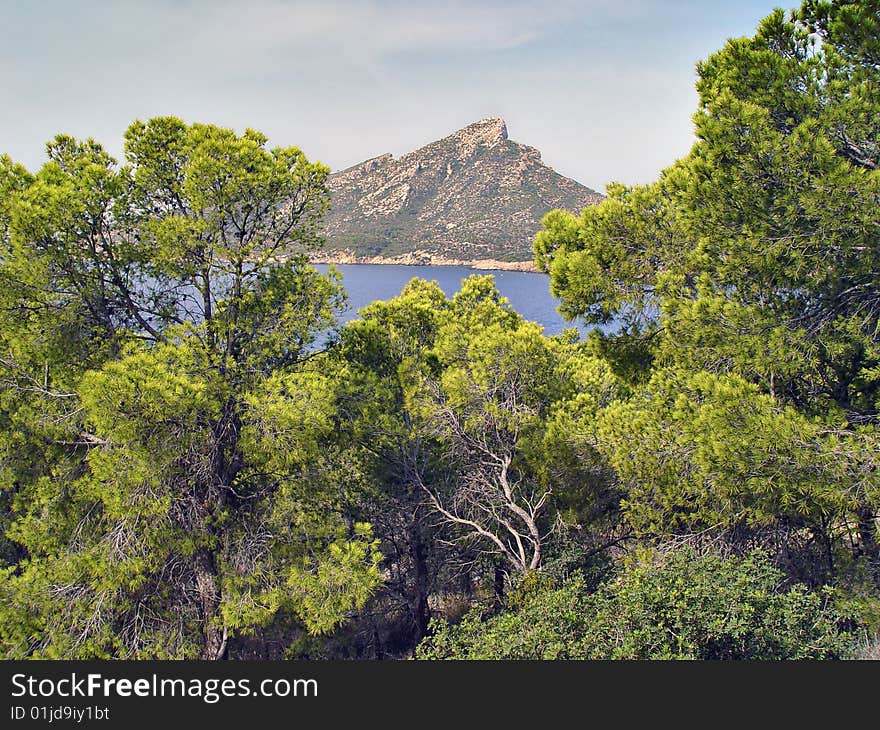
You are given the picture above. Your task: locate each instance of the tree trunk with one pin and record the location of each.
(208, 588)
(498, 582)
(379, 654)
(868, 534)
(420, 610)
(226, 465)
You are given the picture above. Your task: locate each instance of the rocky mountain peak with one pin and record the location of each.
(486, 132)
(475, 194)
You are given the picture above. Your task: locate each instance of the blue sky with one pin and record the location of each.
(604, 88)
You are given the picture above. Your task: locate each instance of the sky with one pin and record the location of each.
(604, 88)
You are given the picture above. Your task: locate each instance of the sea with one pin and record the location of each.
(528, 293)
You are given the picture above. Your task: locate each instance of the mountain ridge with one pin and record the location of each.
(474, 197)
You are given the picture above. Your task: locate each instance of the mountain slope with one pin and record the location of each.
(473, 195)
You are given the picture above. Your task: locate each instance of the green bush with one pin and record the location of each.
(680, 605)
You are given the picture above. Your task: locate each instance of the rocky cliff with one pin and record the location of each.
(473, 197)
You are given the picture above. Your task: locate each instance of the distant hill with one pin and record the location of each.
(472, 197)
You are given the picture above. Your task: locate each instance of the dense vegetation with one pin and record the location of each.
(195, 463)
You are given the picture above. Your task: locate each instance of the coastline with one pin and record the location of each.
(423, 258)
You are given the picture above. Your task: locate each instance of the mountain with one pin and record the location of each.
(474, 197)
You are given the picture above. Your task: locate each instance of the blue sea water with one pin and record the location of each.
(529, 293)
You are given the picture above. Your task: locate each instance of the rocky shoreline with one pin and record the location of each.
(423, 258)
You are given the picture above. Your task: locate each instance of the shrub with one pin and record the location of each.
(678, 605)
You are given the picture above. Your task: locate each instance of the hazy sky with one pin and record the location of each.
(604, 88)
